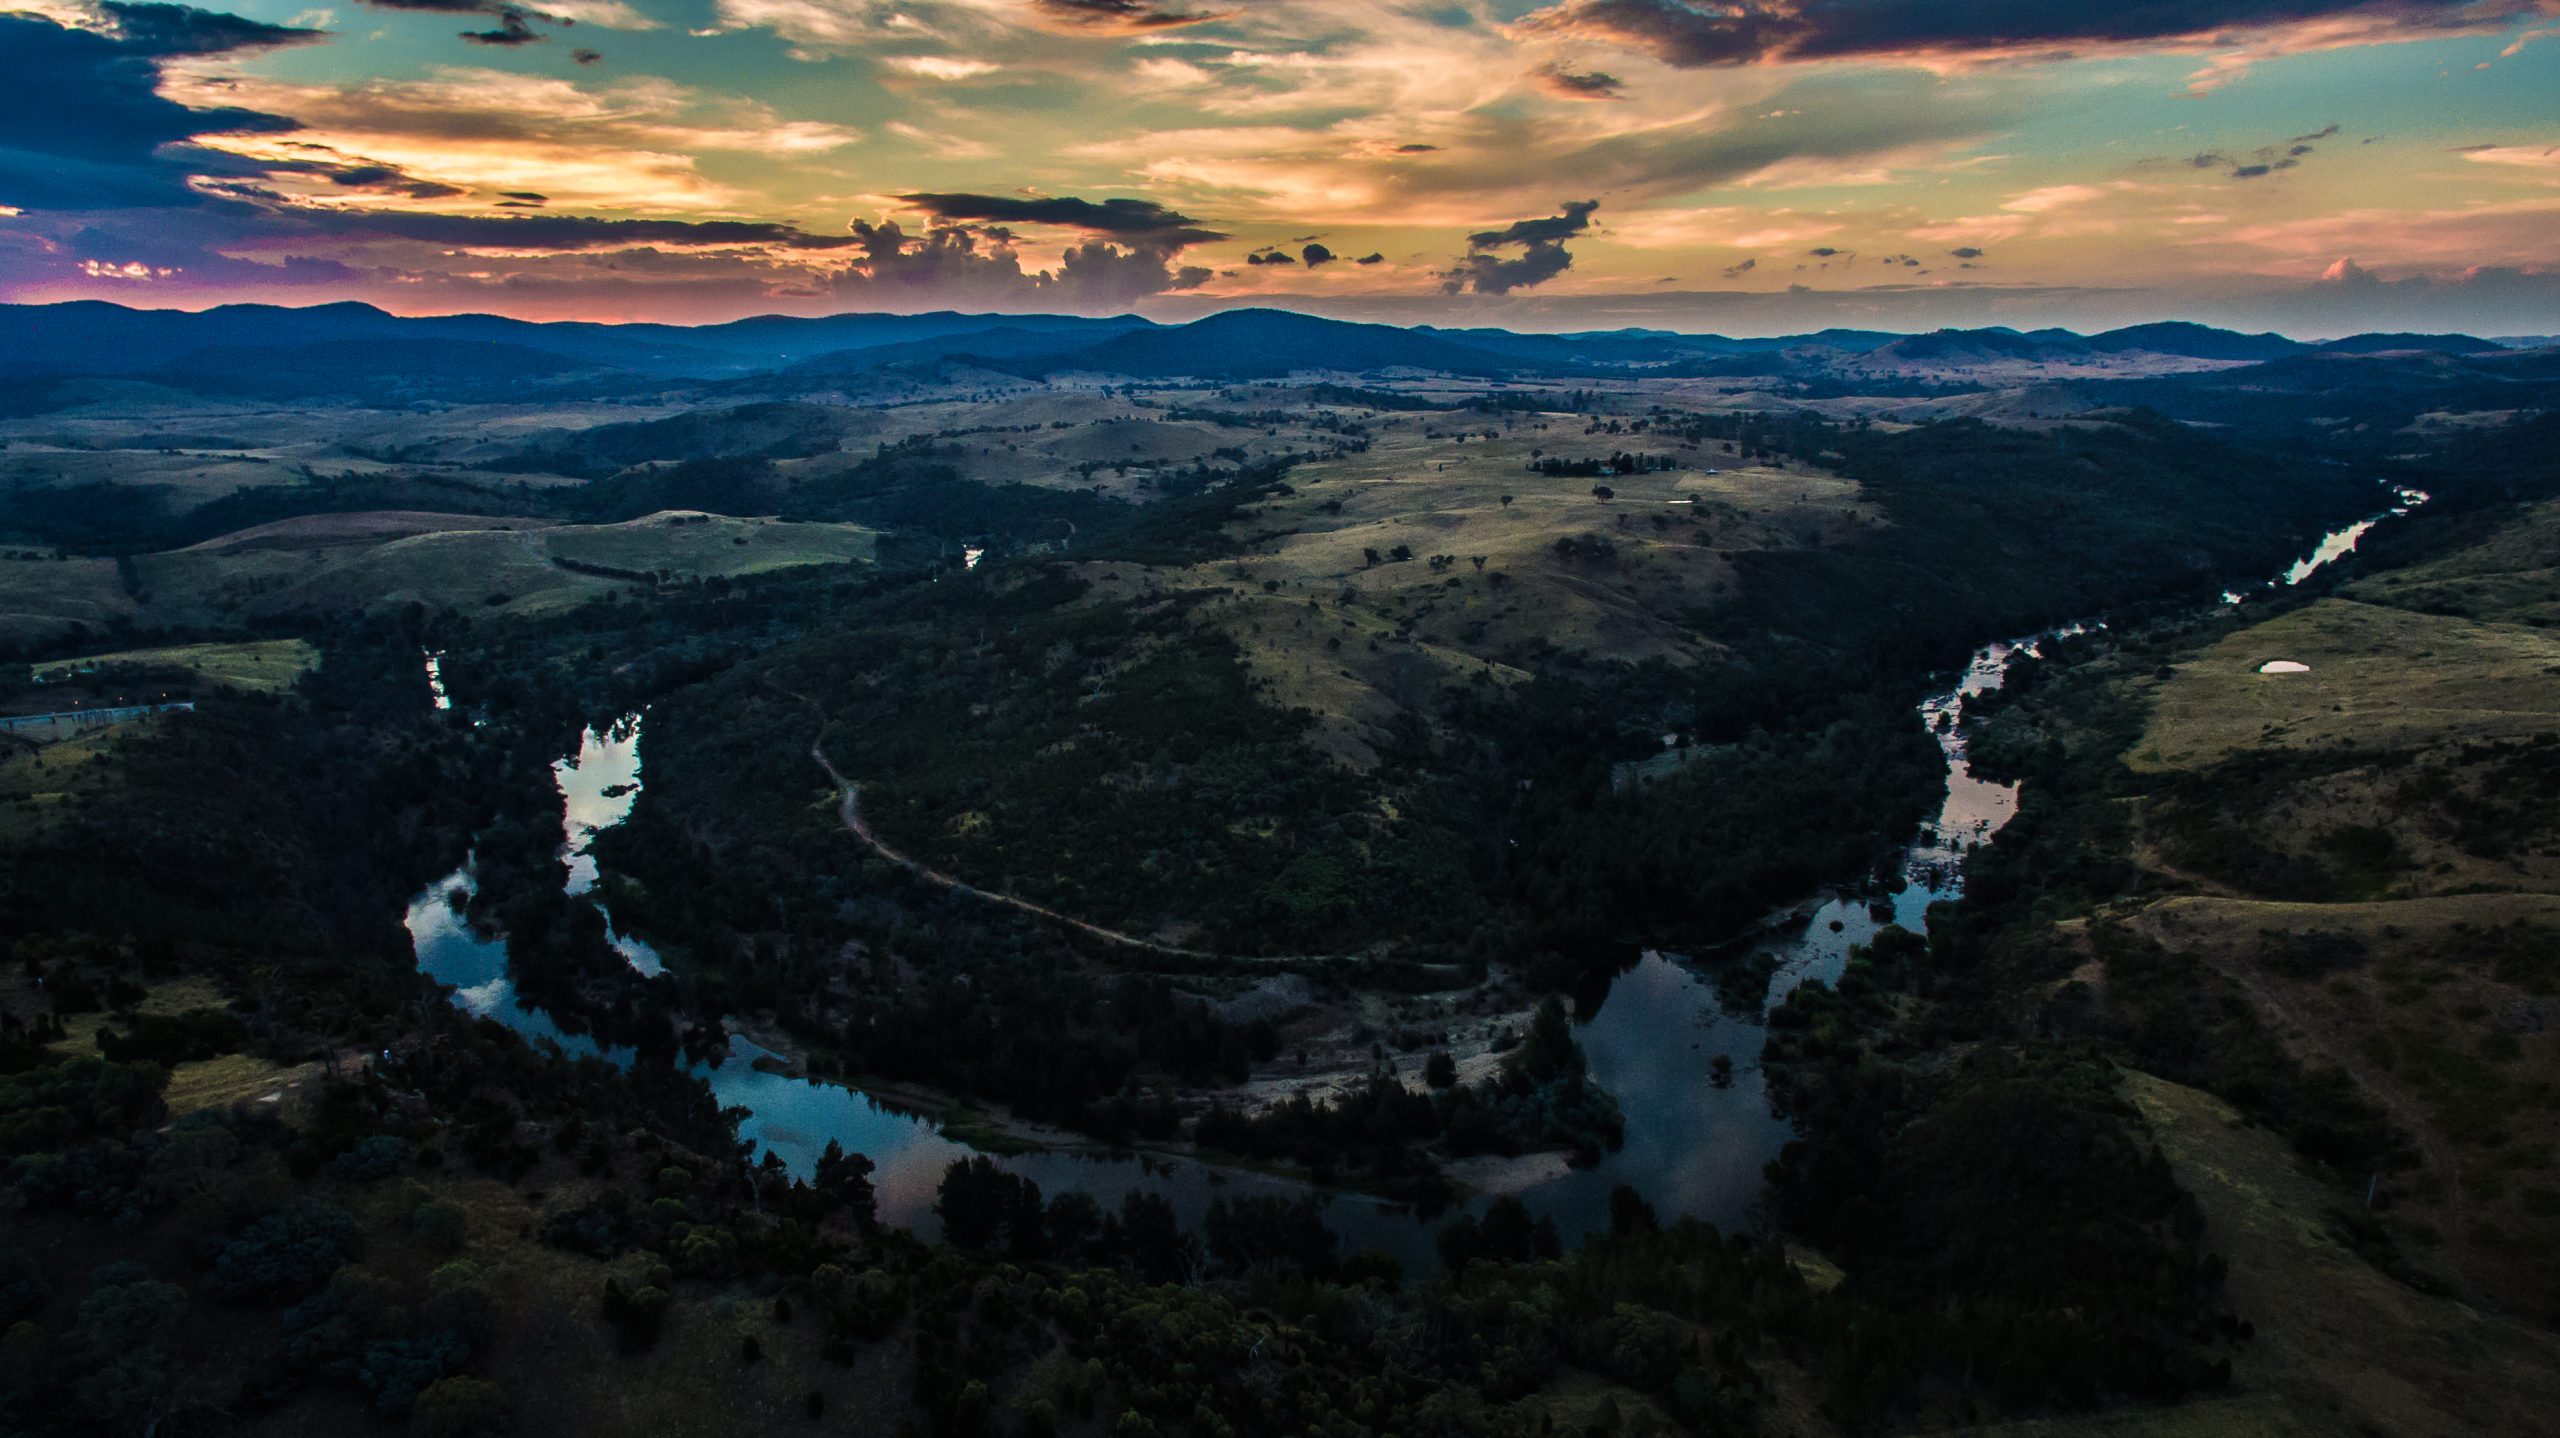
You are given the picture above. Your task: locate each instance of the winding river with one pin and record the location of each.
(1691, 1147)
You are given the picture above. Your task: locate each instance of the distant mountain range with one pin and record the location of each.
(266, 348)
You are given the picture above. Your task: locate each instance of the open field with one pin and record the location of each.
(2379, 678)
(374, 526)
(1333, 621)
(201, 432)
(692, 545)
(43, 596)
(1071, 438)
(262, 666)
(351, 563)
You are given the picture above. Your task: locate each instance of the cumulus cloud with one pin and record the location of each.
(1487, 270)
(968, 253)
(2480, 299)
(957, 264)
(1699, 33)
(1315, 254)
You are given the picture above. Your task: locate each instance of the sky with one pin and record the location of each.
(2318, 167)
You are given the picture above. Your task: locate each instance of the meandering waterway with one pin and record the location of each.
(1691, 1147)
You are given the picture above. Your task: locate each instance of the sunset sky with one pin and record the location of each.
(1751, 167)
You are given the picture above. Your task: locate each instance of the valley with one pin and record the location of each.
(1082, 840)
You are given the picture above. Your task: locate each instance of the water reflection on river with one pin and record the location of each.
(598, 785)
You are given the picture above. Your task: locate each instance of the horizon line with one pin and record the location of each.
(1134, 316)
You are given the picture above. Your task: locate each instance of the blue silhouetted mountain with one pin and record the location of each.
(2377, 344)
(2195, 341)
(1259, 343)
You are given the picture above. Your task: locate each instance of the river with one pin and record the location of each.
(1691, 1147)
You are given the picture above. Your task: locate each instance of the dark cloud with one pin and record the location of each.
(168, 30)
(1697, 33)
(1823, 252)
(1416, 149)
(514, 27)
(1730, 271)
(1136, 222)
(1120, 17)
(514, 23)
(1486, 271)
(568, 233)
(1315, 255)
(243, 238)
(1575, 219)
(1567, 84)
(1270, 257)
(1371, 258)
(368, 175)
(586, 57)
(82, 122)
(2266, 159)
(1966, 252)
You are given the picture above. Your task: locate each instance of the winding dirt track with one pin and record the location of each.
(849, 809)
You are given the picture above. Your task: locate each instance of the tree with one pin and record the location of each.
(1629, 1213)
(1265, 1232)
(972, 1201)
(845, 1178)
(458, 1407)
(1153, 1241)
(124, 1329)
(1440, 1070)
(1549, 1051)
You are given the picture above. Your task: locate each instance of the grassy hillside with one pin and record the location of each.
(342, 564)
(2380, 678)
(262, 666)
(2360, 866)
